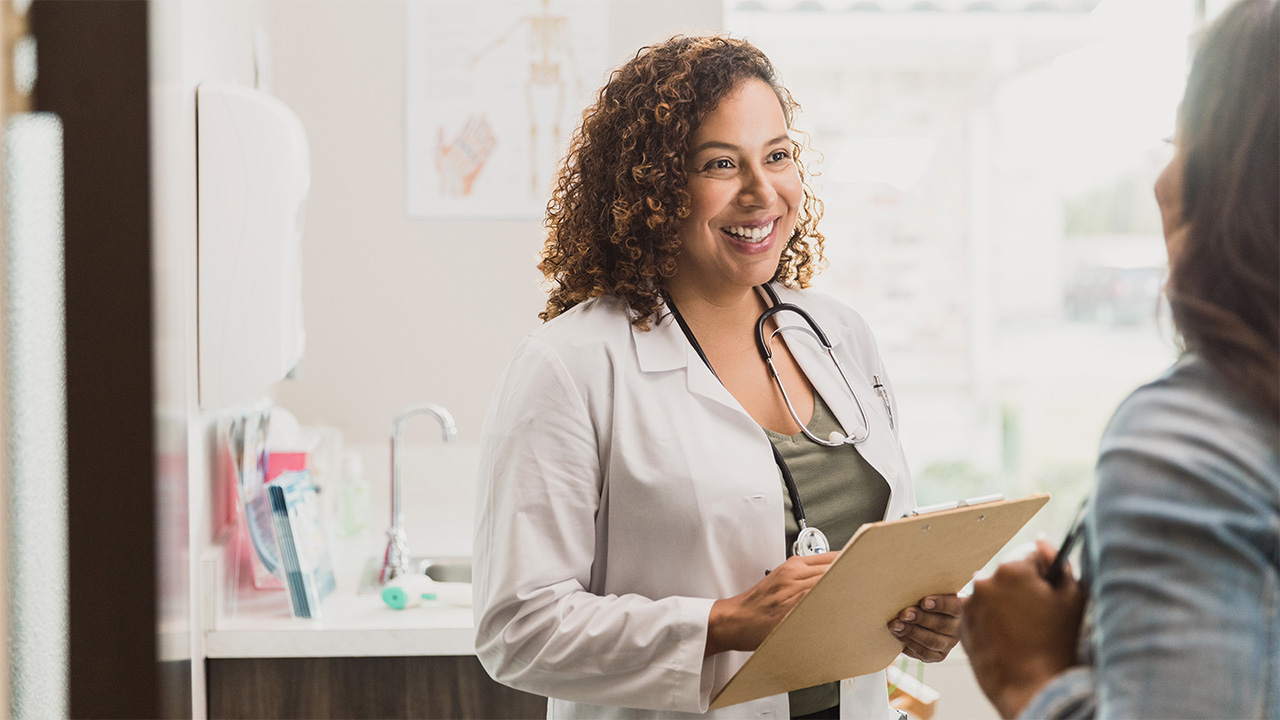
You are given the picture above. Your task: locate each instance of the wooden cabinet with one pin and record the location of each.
(361, 687)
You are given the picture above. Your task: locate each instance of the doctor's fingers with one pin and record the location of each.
(913, 621)
(923, 638)
(791, 585)
(944, 604)
(791, 580)
(820, 560)
(913, 649)
(805, 566)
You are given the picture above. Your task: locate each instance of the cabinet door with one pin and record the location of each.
(389, 687)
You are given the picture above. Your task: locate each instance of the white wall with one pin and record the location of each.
(398, 310)
(191, 41)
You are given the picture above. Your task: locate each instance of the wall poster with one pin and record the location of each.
(493, 91)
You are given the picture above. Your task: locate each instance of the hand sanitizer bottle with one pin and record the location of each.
(353, 503)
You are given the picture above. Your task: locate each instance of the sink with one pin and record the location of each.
(447, 569)
(440, 569)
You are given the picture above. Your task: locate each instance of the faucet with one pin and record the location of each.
(395, 562)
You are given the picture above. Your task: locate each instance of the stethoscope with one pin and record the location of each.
(810, 540)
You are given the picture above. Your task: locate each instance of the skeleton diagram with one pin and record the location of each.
(544, 90)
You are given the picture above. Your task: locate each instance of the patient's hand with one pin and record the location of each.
(1019, 631)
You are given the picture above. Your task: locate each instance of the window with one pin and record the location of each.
(987, 169)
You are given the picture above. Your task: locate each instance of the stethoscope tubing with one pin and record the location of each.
(810, 540)
(764, 345)
(767, 354)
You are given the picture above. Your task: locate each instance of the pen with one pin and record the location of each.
(884, 397)
(1054, 575)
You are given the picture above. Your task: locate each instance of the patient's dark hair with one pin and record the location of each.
(1224, 284)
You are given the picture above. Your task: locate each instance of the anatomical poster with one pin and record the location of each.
(493, 91)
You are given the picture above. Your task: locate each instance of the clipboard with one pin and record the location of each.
(840, 629)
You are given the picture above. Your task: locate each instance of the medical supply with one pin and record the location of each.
(304, 549)
(408, 591)
(765, 345)
(246, 441)
(353, 504)
(810, 540)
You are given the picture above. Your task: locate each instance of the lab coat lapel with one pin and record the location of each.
(664, 347)
(880, 448)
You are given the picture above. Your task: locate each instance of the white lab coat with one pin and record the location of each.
(622, 490)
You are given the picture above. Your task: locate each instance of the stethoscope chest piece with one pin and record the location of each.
(810, 541)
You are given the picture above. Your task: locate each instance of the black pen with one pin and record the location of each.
(1054, 575)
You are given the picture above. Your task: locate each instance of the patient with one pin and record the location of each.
(1181, 581)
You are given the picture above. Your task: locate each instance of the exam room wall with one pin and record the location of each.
(399, 310)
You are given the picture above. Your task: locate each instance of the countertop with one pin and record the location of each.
(244, 622)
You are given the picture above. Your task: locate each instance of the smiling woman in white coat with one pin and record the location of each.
(644, 480)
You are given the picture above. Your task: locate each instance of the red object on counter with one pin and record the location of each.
(279, 463)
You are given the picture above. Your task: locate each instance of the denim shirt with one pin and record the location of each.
(1182, 560)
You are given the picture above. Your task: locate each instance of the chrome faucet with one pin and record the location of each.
(396, 560)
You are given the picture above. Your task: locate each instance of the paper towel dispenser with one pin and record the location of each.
(254, 173)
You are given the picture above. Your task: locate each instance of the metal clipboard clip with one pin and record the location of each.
(979, 500)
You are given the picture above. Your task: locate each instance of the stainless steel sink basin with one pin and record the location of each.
(440, 569)
(447, 569)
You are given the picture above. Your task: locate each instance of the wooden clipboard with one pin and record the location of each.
(840, 629)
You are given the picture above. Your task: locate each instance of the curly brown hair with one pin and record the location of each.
(621, 191)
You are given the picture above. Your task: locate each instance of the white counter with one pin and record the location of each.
(251, 623)
(243, 622)
(353, 626)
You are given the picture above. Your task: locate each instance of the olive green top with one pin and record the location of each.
(840, 492)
